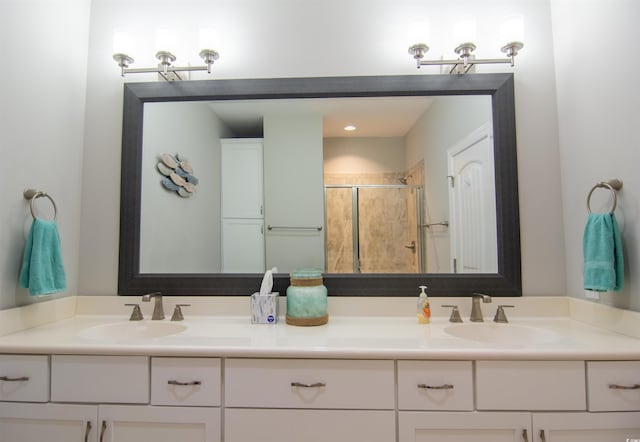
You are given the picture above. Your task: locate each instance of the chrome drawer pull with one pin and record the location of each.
(87, 431)
(173, 382)
(624, 387)
(316, 385)
(8, 379)
(525, 435)
(436, 387)
(102, 430)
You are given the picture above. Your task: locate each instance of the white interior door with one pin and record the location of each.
(472, 203)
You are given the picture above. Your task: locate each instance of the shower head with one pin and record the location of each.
(402, 180)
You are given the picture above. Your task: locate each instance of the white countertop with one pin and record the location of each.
(345, 336)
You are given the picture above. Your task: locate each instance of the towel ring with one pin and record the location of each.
(32, 194)
(613, 186)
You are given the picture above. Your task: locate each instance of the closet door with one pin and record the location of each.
(242, 188)
(242, 245)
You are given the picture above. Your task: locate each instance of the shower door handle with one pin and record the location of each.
(411, 246)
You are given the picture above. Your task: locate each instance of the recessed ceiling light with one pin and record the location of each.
(350, 127)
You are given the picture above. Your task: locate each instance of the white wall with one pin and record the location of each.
(285, 38)
(368, 155)
(447, 121)
(42, 93)
(599, 113)
(181, 234)
(293, 192)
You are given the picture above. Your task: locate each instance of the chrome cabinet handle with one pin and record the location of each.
(624, 387)
(102, 430)
(174, 382)
(543, 438)
(87, 430)
(436, 387)
(19, 379)
(525, 435)
(315, 385)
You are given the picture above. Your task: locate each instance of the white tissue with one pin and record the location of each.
(267, 281)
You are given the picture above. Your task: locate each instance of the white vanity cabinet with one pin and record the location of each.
(463, 426)
(309, 400)
(26, 422)
(107, 399)
(135, 423)
(586, 427)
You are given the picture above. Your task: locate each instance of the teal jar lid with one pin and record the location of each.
(306, 274)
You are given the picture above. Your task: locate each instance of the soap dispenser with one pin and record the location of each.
(424, 308)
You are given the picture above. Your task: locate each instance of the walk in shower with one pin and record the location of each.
(374, 228)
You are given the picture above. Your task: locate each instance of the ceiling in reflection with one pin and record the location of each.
(373, 116)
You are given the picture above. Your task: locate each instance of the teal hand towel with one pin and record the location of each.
(602, 250)
(42, 268)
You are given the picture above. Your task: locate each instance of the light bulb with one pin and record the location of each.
(418, 32)
(122, 43)
(165, 41)
(464, 31)
(208, 39)
(512, 29)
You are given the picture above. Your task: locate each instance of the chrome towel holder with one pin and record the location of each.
(613, 185)
(33, 194)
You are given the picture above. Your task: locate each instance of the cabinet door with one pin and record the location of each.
(131, 423)
(255, 425)
(22, 422)
(243, 246)
(242, 187)
(464, 427)
(586, 427)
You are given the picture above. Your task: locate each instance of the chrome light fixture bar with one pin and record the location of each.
(465, 60)
(165, 66)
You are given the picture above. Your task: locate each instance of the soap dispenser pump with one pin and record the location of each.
(424, 308)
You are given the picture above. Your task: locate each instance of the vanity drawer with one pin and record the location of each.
(530, 385)
(435, 385)
(613, 385)
(100, 379)
(24, 378)
(305, 383)
(185, 381)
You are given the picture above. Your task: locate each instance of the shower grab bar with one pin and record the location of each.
(441, 223)
(270, 227)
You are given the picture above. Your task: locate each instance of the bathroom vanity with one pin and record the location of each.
(547, 375)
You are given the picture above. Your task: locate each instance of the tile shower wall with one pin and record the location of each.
(382, 244)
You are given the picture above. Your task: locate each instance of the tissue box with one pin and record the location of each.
(264, 308)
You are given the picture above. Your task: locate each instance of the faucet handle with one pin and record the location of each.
(455, 313)
(500, 316)
(136, 314)
(177, 312)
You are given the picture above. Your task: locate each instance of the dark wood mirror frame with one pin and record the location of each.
(507, 282)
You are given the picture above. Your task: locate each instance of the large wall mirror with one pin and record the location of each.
(222, 179)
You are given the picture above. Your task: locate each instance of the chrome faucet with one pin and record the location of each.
(476, 310)
(158, 310)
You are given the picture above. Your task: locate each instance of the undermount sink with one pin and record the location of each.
(132, 330)
(501, 334)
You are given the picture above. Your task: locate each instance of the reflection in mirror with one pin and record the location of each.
(171, 242)
(407, 189)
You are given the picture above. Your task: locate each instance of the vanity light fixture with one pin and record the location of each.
(349, 128)
(510, 31)
(165, 57)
